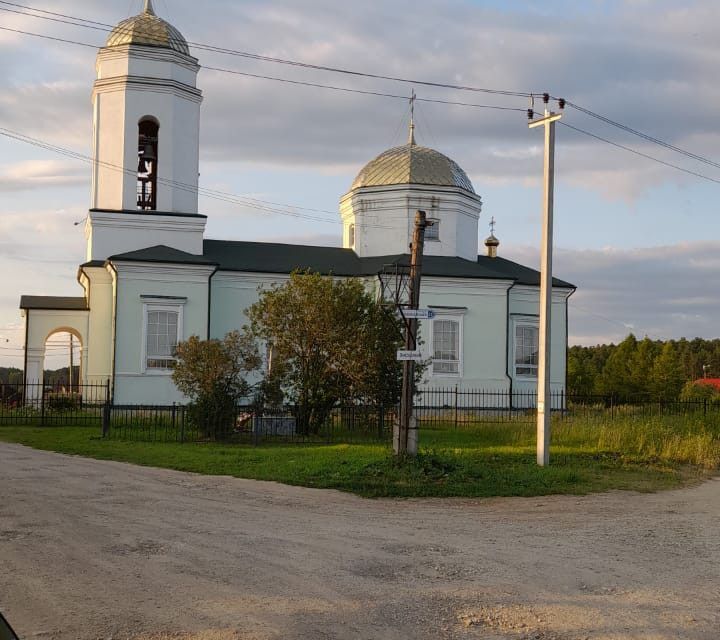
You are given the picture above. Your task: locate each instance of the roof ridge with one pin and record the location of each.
(281, 244)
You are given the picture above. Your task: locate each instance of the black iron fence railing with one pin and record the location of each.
(452, 408)
(47, 405)
(177, 423)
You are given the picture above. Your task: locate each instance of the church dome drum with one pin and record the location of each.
(149, 30)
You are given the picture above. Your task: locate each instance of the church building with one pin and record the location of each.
(150, 278)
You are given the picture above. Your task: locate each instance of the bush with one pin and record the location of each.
(213, 374)
(697, 390)
(63, 401)
(214, 417)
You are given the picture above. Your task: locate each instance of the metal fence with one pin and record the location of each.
(47, 405)
(450, 408)
(458, 408)
(176, 423)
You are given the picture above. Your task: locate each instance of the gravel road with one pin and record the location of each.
(98, 550)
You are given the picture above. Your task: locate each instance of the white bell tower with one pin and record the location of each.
(146, 111)
(146, 130)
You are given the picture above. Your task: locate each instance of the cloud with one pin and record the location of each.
(661, 292)
(38, 174)
(641, 70)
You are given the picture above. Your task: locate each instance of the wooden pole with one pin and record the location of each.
(406, 441)
(544, 406)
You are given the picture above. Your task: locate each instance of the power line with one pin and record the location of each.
(91, 24)
(640, 153)
(644, 136)
(224, 196)
(208, 193)
(361, 91)
(432, 100)
(284, 80)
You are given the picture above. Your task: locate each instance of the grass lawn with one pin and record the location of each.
(488, 460)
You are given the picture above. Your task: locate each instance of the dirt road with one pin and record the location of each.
(92, 549)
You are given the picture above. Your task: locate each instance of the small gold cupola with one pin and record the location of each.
(491, 242)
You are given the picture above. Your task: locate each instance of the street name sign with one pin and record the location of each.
(419, 314)
(409, 355)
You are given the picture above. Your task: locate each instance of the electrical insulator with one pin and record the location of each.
(561, 103)
(546, 98)
(531, 113)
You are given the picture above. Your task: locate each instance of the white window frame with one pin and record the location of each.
(454, 315)
(523, 321)
(174, 305)
(434, 229)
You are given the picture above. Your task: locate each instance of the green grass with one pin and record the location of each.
(642, 454)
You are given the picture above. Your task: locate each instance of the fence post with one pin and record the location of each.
(456, 407)
(381, 421)
(182, 424)
(106, 411)
(42, 404)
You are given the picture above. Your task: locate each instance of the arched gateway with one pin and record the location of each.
(45, 316)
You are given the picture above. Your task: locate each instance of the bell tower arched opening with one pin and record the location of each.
(148, 136)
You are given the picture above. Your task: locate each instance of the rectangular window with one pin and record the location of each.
(526, 350)
(161, 338)
(446, 347)
(433, 232)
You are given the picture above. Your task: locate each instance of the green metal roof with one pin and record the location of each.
(272, 257)
(53, 303)
(163, 254)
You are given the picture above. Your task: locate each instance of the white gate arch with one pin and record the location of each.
(44, 317)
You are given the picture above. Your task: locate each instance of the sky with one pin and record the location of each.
(641, 240)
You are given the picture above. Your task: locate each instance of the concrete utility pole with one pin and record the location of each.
(405, 441)
(544, 400)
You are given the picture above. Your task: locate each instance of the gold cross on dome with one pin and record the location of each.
(411, 137)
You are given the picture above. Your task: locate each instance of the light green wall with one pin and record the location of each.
(483, 330)
(134, 281)
(525, 301)
(232, 294)
(487, 346)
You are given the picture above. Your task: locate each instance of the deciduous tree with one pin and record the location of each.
(331, 341)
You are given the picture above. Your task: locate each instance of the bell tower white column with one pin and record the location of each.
(145, 73)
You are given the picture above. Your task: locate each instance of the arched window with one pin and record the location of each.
(351, 235)
(147, 164)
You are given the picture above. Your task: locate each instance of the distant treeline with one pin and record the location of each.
(636, 368)
(13, 375)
